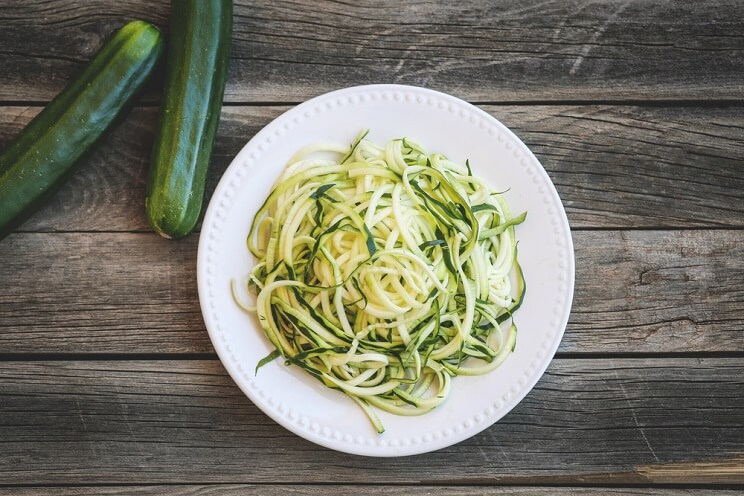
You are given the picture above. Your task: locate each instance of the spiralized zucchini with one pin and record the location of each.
(385, 272)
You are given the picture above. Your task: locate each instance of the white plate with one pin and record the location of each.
(441, 123)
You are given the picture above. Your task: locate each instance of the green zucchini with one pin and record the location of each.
(196, 70)
(44, 153)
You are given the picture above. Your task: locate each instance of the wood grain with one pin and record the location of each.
(636, 292)
(614, 167)
(639, 167)
(106, 293)
(505, 51)
(108, 381)
(332, 490)
(671, 291)
(587, 421)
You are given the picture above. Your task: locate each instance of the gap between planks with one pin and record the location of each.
(653, 103)
(389, 488)
(196, 232)
(138, 357)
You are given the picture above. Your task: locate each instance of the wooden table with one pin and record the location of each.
(108, 381)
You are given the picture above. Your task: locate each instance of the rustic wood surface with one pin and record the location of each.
(600, 420)
(535, 50)
(108, 381)
(372, 490)
(614, 166)
(672, 292)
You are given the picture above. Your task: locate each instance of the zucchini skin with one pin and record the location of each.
(41, 157)
(196, 72)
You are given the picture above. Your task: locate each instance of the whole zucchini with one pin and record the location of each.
(38, 160)
(196, 69)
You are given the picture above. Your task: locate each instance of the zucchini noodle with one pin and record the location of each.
(385, 272)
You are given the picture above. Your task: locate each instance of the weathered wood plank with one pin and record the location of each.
(635, 167)
(332, 490)
(482, 51)
(613, 166)
(45, 45)
(87, 292)
(587, 421)
(677, 291)
(636, 291)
